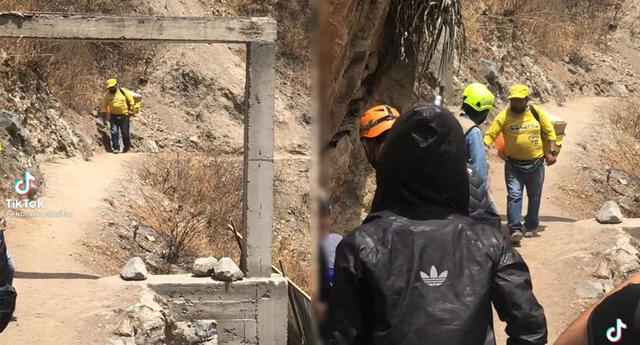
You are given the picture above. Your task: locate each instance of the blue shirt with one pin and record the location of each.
(477, 155)
(329, 245)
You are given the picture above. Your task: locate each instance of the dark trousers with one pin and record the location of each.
(120, 124)
(520, 175)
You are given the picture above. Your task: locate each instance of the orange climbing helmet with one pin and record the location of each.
(377, 120)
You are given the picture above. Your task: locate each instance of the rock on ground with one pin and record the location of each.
(618, 261)
(489, 69)
(151, 322)
(620, 91)
(134, 270)
(150, 146)
(203, 267)
(194, 332)
(124, 328)
(593, 289)
(121, 341)
(609, 213)
(227, 270)
(150, 319)
(603, 268)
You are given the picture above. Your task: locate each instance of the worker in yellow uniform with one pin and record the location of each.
(119, 106)
(525, 128)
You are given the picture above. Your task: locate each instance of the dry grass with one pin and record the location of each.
(554, 27)
(75, 71)
(192, 200)
(292, 242)
(198, 198)
(613, 156)
(623, 151)
(70, 6)
(293, 16)
(626, 116)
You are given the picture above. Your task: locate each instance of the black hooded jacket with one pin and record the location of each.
(419, 271)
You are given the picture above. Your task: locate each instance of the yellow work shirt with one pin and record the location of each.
(522, 133)
(116, 103)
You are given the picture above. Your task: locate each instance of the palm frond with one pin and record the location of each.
(432, 28)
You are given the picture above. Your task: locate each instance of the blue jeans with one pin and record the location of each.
(518, 175)
(7, 265)
(120, 123)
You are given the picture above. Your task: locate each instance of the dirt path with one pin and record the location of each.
(60, 300)
(552, 257)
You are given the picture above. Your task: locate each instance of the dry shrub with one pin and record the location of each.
(70, 6)
(611, 168)
(625, 115)
(553, 27)
(75, 71)
(193, 200)
(623, 131)
(292, 242)
(198, 198)
(293, 16)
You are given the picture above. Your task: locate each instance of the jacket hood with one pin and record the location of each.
(422, 170)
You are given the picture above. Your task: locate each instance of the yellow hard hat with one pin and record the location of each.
(112, 82)
(519, 91)
(478, 97)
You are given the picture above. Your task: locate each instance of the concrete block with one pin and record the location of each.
(238, 332)
(249, 311)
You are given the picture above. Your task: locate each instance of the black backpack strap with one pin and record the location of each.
(535, 113)
(537, 116)
(127, 101)
(466, 123)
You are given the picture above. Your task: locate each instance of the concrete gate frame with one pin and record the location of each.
(254, 310)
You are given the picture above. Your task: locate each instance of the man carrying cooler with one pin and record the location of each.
(119, 106)
(530, 140)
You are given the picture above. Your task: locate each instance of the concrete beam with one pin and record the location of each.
(258, 159)
(185, 310)
(206, 289)
(136, 28)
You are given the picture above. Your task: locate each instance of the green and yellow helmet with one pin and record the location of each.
(478, 97)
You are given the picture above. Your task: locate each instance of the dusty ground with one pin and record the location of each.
(60, 299)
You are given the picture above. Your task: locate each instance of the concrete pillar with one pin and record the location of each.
(258, 159)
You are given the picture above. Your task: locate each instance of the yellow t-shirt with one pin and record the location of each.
(522, 133)
(116, 104)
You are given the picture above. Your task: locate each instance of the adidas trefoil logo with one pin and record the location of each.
(433, 279)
